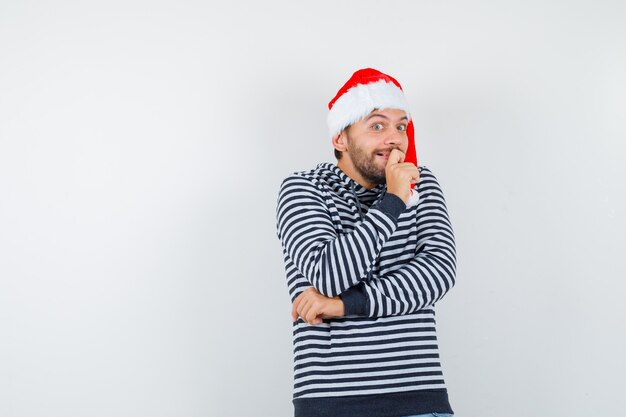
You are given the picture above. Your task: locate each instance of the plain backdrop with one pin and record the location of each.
(142, 144)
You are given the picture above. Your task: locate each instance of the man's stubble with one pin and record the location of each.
(365, 163)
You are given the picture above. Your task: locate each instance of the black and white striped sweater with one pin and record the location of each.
(390, 265)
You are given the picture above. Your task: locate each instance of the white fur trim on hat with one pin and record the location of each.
(359, 101)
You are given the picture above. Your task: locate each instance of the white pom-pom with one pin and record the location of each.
(414, 199)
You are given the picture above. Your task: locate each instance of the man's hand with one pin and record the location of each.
(400, 175)
(313, 307)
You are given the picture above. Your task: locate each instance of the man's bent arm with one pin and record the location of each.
(330, 262)
(426, 278)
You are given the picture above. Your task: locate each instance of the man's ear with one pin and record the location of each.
(340, 141)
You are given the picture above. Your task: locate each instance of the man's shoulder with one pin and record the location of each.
(423, 169)
(306, 189)
(426, 174)
(322, 173)
(428, 184)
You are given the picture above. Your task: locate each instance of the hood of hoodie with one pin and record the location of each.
(341, 183)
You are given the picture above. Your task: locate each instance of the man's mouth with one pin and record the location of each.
(384, 153)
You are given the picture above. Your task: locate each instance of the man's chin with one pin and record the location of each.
(374, 173)
(377, 179)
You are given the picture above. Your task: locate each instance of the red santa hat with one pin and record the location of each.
(366, 90)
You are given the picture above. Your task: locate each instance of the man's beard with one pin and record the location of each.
(366, 165)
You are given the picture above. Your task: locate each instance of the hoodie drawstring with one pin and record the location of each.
(358, 206)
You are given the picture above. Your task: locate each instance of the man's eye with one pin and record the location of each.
(402, 128)
(377, 126)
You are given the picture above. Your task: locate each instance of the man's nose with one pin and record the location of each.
(394, 137)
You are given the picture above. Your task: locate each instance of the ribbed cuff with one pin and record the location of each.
(354, 301)
(392, 205)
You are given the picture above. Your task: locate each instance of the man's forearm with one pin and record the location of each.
(331, 262)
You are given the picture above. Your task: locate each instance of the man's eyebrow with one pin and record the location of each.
(374, 114)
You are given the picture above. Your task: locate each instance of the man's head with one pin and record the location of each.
(366, 144)
(368, 118)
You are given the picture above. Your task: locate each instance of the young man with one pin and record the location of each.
(368, 250)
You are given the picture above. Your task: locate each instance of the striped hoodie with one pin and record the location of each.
(390, 264)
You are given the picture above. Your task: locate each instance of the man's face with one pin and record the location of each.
(369, 142)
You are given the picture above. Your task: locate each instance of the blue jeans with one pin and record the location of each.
(432, 415)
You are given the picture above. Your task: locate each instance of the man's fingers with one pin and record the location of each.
(296, 305)
(309, 306)
(396, 156)
(304, 307)
(409, 169)
(312, 313)
(415, 173)
(400, 177)
(310, 316)
(309, 310)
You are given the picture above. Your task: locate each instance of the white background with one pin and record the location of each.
(141, 149)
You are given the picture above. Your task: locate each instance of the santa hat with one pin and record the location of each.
(366, 90)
